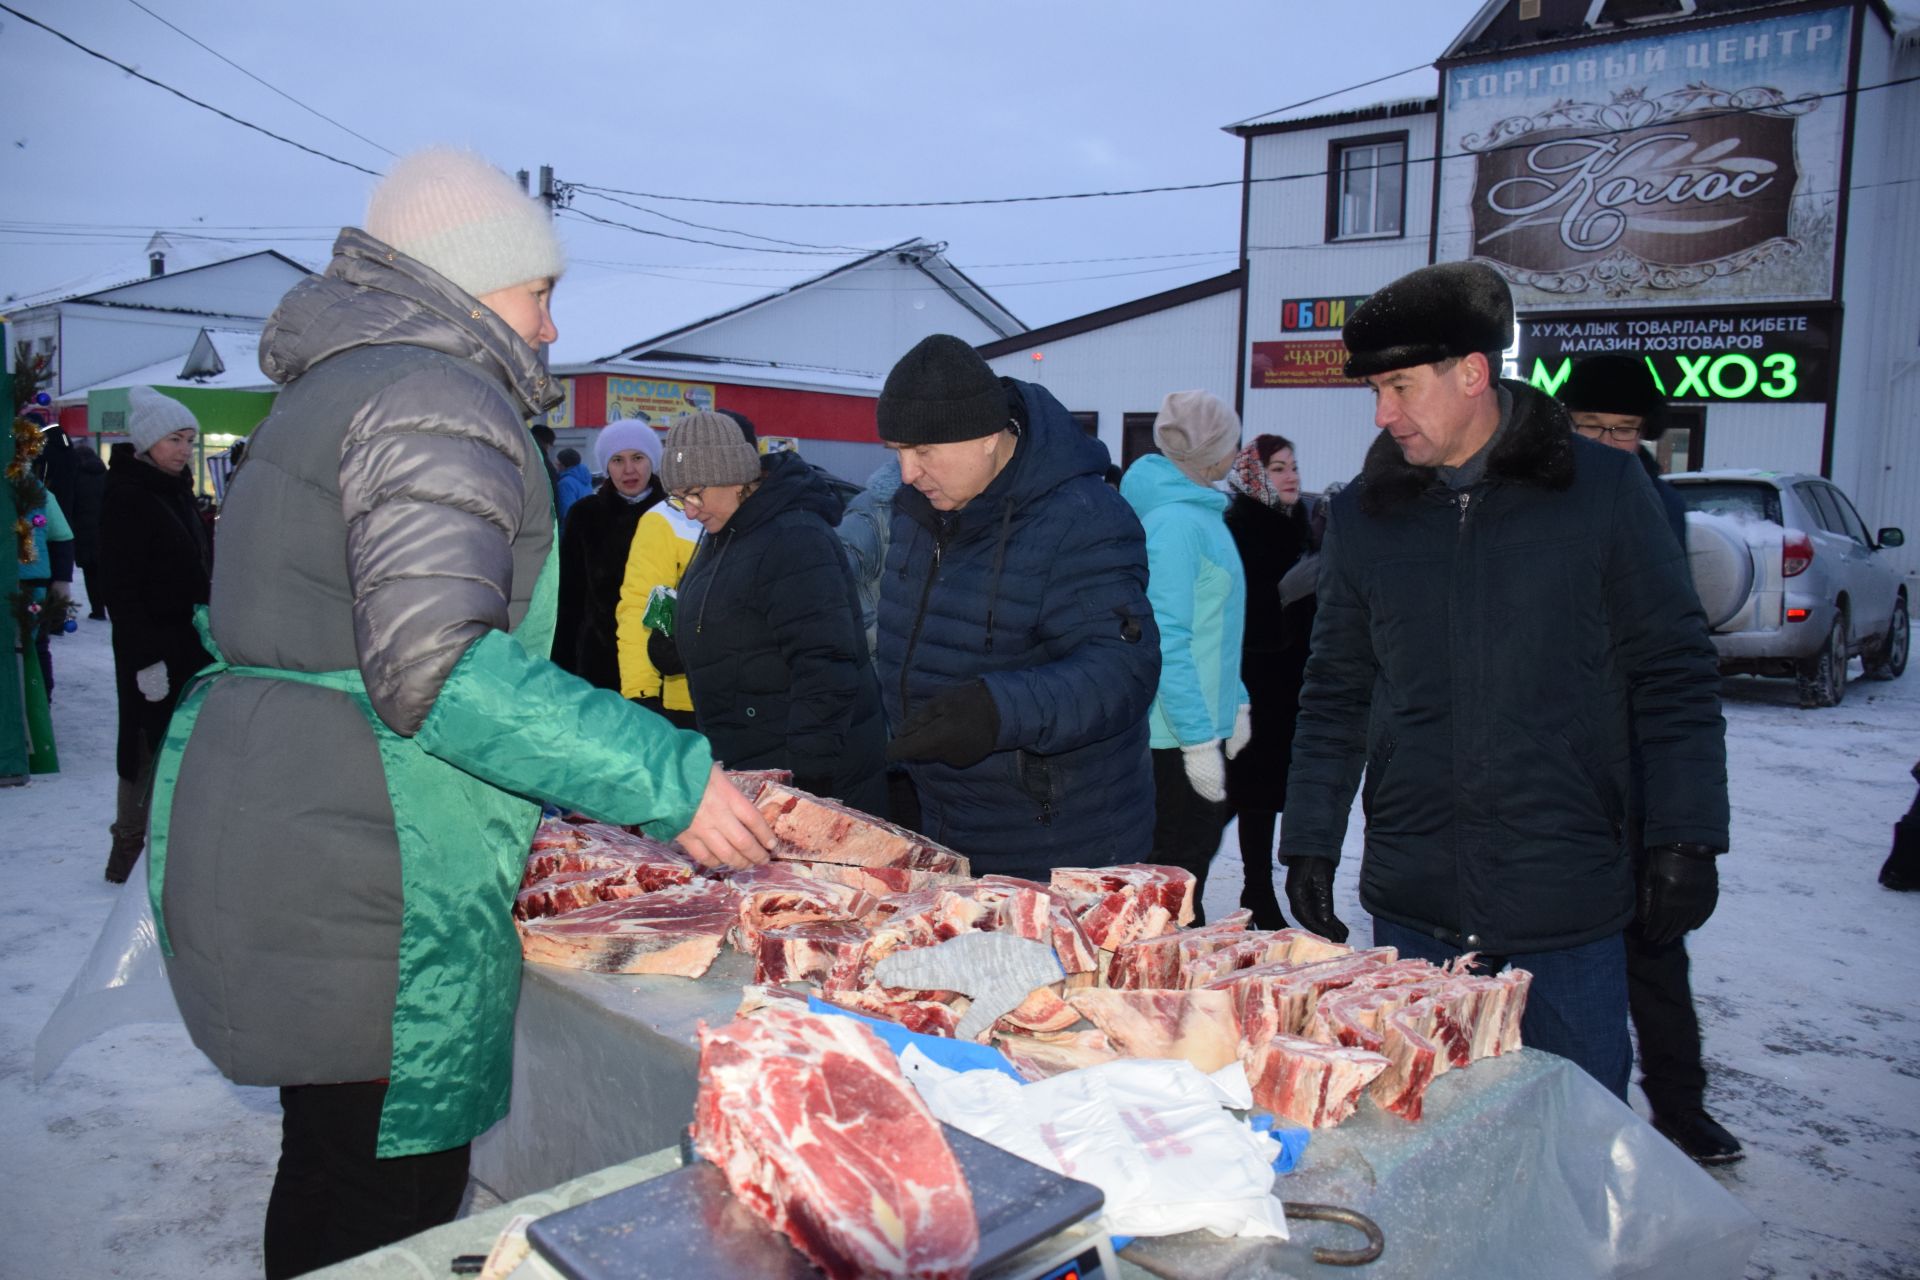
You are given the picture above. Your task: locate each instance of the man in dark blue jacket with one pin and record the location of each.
(1017, 652)
(1498, 598)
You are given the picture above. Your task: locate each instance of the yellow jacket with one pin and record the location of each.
(663, 542)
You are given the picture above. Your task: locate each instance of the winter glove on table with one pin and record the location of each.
(1242, 731)
(1310, 894)
(664, 654)
(1206, 770)
(960, 727)
(998, 970)
(1679, 886)
(152, 681)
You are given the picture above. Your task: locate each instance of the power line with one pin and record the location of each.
(718, 244)
(224, 115)
(256, 79)
(701, 226)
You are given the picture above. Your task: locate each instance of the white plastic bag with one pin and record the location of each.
(1153, 1135)
(122, 980)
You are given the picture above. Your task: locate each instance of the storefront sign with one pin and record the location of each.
(1699, 165)
(1313, 363)
(655, 400)
(1754, 356)
(1298, 314)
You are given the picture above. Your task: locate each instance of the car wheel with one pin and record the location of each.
(1889, 661)
(1823, 677)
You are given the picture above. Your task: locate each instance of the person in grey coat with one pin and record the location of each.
(866, 531)
(335, 870)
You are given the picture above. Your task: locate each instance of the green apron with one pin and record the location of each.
(463, 846)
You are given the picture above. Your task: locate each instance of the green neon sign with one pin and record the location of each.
(1728, 375)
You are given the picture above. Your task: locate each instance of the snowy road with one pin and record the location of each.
(137, 1159)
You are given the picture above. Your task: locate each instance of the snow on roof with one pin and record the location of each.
(1408, 89)
(183, 252)
(237, 351)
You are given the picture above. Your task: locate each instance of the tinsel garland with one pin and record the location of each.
(29, 495)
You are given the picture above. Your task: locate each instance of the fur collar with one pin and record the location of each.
(1536, 449)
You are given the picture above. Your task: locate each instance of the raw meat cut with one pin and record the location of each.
(928, 1017)
(812, 828)
(1119, 904)
(775, 895)
(874, 880)
(752, 781)
(1161, 963)
(831, 953)
(572, 866)
(1282, 946)
(818, 1133)
(1044, 1010)
(1059, 928)
(1277, 999)
(1040, 1056)
(675, 930)
(757, 996)
(1198, 1026)
(1309, 1084)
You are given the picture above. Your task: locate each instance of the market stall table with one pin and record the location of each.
(1522, 1166)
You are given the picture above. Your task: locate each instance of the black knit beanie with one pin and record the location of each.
(940, 392)
(1617, 384)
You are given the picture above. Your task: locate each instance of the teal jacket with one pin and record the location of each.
(1199, 596)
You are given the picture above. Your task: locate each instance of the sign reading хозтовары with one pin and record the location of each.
(1698, 166)
(1755, 357)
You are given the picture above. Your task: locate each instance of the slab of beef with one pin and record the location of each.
(1281, 946)
(828, 953)
(877, 881)
(818, 1133)
(1118, 904)
(1277, 999)
(752, 781)
(1198, 1026)
(1055, 925)
(674, 930)
(813, 828)
(1040, 1056)
(928, 1017)
(1310, 1084)
(775, 895)
(572, 866)
(1161, 963)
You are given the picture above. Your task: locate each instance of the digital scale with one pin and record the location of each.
(1034, 1225)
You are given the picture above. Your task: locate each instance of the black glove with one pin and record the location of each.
(1310, 894)
(960, 728)
(664, 654)
(1679, 885)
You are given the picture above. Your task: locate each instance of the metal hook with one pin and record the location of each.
(1376, 1239)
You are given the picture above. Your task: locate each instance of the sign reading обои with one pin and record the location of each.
(1695, 166)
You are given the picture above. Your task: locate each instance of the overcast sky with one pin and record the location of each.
(822, 101)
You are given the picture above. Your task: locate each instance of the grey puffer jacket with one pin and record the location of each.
(393, 510)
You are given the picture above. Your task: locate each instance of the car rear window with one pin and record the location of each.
(1737, 498)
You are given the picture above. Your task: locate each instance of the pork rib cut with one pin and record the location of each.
(1310, 1084)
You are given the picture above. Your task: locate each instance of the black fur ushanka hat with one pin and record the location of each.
(1436, 313)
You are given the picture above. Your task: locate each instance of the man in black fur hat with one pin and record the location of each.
(1497, 598)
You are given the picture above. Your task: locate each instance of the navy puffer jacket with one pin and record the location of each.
(1038, 587)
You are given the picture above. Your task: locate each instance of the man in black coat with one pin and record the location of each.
(1499, 600)
(89, 487)
(1614, 400)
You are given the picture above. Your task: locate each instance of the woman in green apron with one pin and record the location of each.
(345, 797)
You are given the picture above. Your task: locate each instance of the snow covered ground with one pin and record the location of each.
(137, 1159)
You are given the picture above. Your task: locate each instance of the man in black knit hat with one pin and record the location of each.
(1497, 598)
(1017, 652)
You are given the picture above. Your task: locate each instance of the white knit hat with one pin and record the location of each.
(152, 416)
(618, 437)
(467, 220)
(1197, 432)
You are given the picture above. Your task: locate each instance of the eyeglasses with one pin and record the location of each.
(1622, 434)
(680, 501)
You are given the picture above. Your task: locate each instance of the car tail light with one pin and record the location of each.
(1796, 553)
(1798, 615)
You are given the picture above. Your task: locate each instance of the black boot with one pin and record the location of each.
(1256, 862)
(1902, 867)
(1700, 1136)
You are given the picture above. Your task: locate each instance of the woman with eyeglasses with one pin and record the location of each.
(768, 621)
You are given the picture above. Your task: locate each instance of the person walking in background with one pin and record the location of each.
(1018, 653)
(89, 489)
(573, 481)
(768, 622)
(866, 531)
(156, 565)
(594, 543)
(334, 871)
(1614, 401)
(1199, 719)
(1279, 540)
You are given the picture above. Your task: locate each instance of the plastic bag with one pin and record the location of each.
(121, 981)
(1153, 1135)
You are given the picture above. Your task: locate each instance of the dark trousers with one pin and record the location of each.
(1186, 829)
(1577, 1006)
(332, 1200)
(1661, 1001)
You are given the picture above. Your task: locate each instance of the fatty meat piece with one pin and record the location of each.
(775, 895)
(1198, 1026)
(928, 1017)
(828, 953)
(878, 881)
(816, 1131)
(676, 930)
(1277, 999)
(1308, 1084)
(1057, 925)
(1281, 946)
(1116, 905)
(1161, 964)
(572, 866)
(752, 781)
(812, 828)
(1041, 1056)
(1044, 1010)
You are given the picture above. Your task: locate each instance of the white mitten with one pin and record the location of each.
(1206, 769)
(152, 681)
(1242, 731)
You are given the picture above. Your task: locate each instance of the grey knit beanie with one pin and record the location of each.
(705, 449)
(1197, 432)
(940, 392)
(151, 416)
(467, 220)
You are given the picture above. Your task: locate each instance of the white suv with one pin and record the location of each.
(1791, 581)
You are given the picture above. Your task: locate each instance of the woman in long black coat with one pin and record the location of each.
(768, 620)
(1273, 525)
(156, 564)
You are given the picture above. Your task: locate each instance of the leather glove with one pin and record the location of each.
(959, 727)
(1206, 770)
(1310, 894)
(152, 682)
(1679, 885)
(664, 654)
(1242, 731)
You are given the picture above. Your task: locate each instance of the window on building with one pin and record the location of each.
(1136, 437)
(1089, 421)
(1367, 187)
